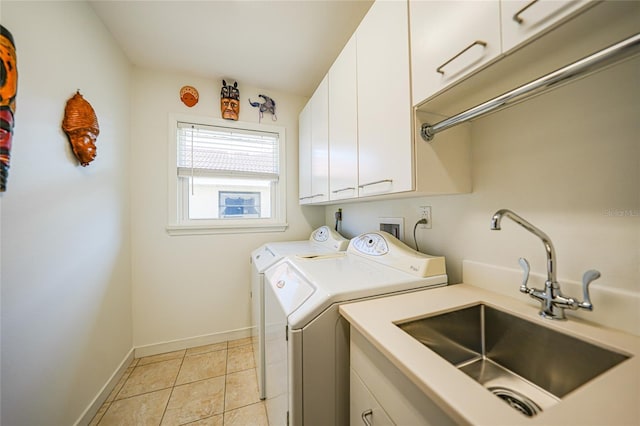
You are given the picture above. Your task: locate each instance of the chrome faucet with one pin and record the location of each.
(553, 302)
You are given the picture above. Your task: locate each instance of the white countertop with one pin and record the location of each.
(613, 398)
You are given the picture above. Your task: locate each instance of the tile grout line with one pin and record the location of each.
(135, 363)
(164, 412)
(225, 411)
(226, 372)
(124, 379)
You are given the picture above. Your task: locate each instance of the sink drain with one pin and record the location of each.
(516, 400)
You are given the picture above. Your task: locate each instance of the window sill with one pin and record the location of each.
(224, 229)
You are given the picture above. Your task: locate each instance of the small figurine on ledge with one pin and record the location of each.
(81, 126)
(269, 105)
(230, 101)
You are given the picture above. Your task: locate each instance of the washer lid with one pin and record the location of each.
(329, 238)
(268, 254)
(290, 287)
(349, 277)
(263, 257)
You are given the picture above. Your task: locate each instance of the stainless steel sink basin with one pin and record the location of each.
(526, 364)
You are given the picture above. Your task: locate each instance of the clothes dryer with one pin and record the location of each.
(307, 341)
(322, 240)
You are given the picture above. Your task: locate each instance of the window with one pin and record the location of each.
(239, 204)
(225, 176)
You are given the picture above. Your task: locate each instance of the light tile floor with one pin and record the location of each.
(211, 385)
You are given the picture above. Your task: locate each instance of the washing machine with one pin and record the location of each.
(307, 341)
(321, 241)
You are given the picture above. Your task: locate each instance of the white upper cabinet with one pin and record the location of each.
(304, 154)
(343, 125)
(449, 40)
(313, 148)
(523, 19)
(384, 104)
(320, 143)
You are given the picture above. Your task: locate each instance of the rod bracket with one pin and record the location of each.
(427, 133)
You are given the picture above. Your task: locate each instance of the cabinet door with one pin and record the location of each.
(384, 104)
(304, 154)
(343, 125)
(320, 143)
(363, 405)
(524, 19)
(449, 40)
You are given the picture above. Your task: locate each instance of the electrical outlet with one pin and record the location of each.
(424, 212)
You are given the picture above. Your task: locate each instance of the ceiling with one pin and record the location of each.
(273, 45)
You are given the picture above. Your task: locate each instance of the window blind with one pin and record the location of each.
(214, 151)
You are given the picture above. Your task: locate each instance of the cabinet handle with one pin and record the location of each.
(477, 42)
(517, 17)
(375, 183)
(365, 416)
(310, 196)
(343, 189)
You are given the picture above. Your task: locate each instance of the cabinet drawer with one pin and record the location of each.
(524, 19)
(400, 399)
(449, 40)
(363, 407)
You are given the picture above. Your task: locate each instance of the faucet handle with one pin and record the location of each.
(588, 277)
(525, 267)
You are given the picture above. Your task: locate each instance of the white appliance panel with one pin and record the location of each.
(257, 332)
(323, 240)
(289, 287)
(346, 278)
(317, 367)
(276, 359)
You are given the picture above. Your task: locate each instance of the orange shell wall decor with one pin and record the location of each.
(80, 123)
(189, 95)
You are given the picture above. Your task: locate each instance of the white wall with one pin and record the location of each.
(88, 270)
(66, 287)
(568, 161)
(192, 289)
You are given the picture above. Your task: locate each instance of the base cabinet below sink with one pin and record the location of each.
(363, 404)
(379, 388)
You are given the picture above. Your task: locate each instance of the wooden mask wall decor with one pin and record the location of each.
(81, 126)
(189, 95)
(8, 91)
(230, 101)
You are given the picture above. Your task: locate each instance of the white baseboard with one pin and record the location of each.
(154, 349)
(104, 393)
(191, 342)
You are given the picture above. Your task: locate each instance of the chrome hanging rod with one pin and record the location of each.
(606, 56)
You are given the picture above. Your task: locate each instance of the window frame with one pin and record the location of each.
(179, 224)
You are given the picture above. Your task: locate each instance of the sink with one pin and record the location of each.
(529, 366)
